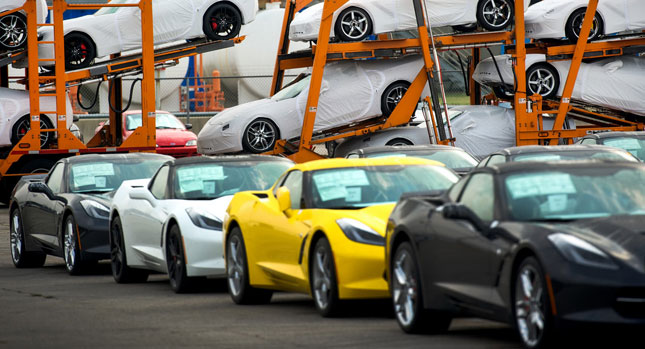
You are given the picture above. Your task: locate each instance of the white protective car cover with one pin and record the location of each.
(41, 8)
(387, 16)
(14, 104)
(548, 18)
(615, 83)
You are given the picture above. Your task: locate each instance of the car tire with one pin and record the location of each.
(176, 261)
(574, 23)
(74, 264)
(543, 79)
(222, 15)
(120, 271)
(23, 125)
(14, 35)
(407, 295)
(80, 51)
(20, 257)
(501, 92)
(260, 136)
(353, 24)
(237, 270)
(392, 96)
(465, 28)
(324, 281)
(530, 305)
(398, 141)
(495, 15)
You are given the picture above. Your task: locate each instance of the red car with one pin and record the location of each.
(173, 137)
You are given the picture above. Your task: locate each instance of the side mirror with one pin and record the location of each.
(284, 198)
(40, 187)
(142, 194)
(458, 211)
(189, 126)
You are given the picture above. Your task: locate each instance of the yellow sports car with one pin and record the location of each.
(320, 229)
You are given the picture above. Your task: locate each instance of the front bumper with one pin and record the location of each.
(304, 31)
(93, 236)
(212, 141)
(204, 252)
(360, 269)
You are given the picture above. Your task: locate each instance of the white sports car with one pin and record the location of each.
(614, 83)
(478, 129)
(116, 29)
(172, 223)
(13, 27)
(358, 19)
(555, 19)
(15, 121)
(351, 91)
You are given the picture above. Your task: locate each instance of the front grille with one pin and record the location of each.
(630, 303)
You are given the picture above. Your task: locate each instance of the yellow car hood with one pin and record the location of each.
(374, 216)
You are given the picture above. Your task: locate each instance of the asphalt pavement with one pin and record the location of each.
(45, 307)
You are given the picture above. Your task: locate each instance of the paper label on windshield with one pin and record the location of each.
(199, 178)
(557, 203)
(521, 186)
(332, 192)
(353, 194)
(538, 157)
(100, 182)
(624, 143)
(208, 187)
(333, 185)
(85, 174)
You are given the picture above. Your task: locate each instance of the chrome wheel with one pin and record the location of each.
(13, 31)
(576, 25)
(497, 14)
(69, 246)
(354, 24)
(16, 237)
(542, 82)
(235, 263)
(529, 298)
(322, 280)
(261, 136)
(404, 288)
(394, 97)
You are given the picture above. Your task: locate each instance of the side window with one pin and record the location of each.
(479, 196)
(456, 188)
(55, 178)
(280, 182)
(496, 159)
(159, 184)
(294, 184)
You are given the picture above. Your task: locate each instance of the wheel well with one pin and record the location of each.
(520, 256)
(314, 239)
(598, 12)
(400, 237)
(66, 214)
(88, 36)
(232, 225)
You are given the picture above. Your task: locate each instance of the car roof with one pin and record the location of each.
(616, 134)
(114, 157)
(395, 148)
(226, 158)
(510, 167)
(364, 162)
(532, 149)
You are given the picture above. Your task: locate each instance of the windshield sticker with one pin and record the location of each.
(208, 187)
(85, 174)
(99, 182)
(332, 185)
(521, 186)
(353, 194)
(331, 192)
(538, 157)
(195, 178)
(557, 203)
(624, 143)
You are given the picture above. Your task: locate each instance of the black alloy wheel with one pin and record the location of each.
(222, 21)
(353, 24)
(574, 26)
(176, 260)
(392, 96)
(120, 271)
(530, 303)
(23, 125)
(260, 136)
(494, 15)
(407, 296)
(238, 273)
(13, 31)
(324, 283)
(19, 255)
(80, 51)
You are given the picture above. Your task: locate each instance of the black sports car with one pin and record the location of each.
(65, 213)
(538, 245)
(543, 153)
(633, 142)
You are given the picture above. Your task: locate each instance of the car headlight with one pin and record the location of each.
(581, 252)
(204, 219)
(95, 210)
(191, 143)
(360, 232)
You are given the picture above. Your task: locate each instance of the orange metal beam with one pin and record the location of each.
(524, 121)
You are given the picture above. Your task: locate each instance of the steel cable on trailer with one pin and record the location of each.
(96, 97)
(129, 98)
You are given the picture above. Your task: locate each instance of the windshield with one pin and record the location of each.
(163, 121)
(453, 159)
(357, 187)
(575, 194)
(575, 155)
(293, 88)
(634, 145)
(109, 10)
(209, 181)
(106, 176)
